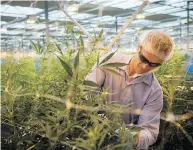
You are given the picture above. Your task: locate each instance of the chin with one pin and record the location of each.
(141, 71)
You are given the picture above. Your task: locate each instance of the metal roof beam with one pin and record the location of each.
(25, 18)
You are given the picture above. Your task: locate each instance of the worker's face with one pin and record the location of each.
(146, 61)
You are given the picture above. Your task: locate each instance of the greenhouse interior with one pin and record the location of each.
(96, 75)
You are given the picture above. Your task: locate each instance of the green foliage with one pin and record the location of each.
(107, 58)
(171, 75)
(37, 47)
(66, 67)
(51, 102)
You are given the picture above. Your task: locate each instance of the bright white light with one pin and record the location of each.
(73, 8)
(94, 25)
(32, 20)
(140, 16)
(29, 21)
(138, 28)
(3, 30)
(170, 30)
(184, 21)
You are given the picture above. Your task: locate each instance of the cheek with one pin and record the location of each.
(139, 68)
(138, 63)
(150, 68)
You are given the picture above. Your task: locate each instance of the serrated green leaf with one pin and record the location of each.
(66, 67)
(170, 89)
(107, 58)
(69, 27)
(59, 49)
(118, 146)
(51, 118)
(18, 89)
(76, 62)
(165, 91)
(80, 127)
(102, 138)
(39, 46)
(101, 33)
(81, 45)
(116, 64)
(34, 46)
(90, 83)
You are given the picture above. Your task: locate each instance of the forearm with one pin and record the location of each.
(149, 121)
(145, 139)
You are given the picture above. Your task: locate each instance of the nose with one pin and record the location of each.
(144, 65)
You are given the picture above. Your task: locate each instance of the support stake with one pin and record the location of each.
(128, 23)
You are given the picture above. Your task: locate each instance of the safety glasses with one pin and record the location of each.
(145, 60)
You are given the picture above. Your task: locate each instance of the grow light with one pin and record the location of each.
(3, 30)
(73, 8)
(138, 28)
(184, 21)
(32, 20)
(94, 25)
(140, 16)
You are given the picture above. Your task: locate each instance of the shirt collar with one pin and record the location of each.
(146, 78)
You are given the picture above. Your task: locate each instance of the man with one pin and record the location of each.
(136, 83)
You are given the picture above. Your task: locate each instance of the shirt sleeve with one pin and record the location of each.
(96, 75)
(149, 120)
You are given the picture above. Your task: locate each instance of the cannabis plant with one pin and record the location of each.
(53, 107)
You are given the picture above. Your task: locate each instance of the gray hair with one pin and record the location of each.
(157, 43)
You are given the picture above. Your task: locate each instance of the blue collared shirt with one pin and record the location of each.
(144, 93)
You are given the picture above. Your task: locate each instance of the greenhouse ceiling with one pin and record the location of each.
(22, 21)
